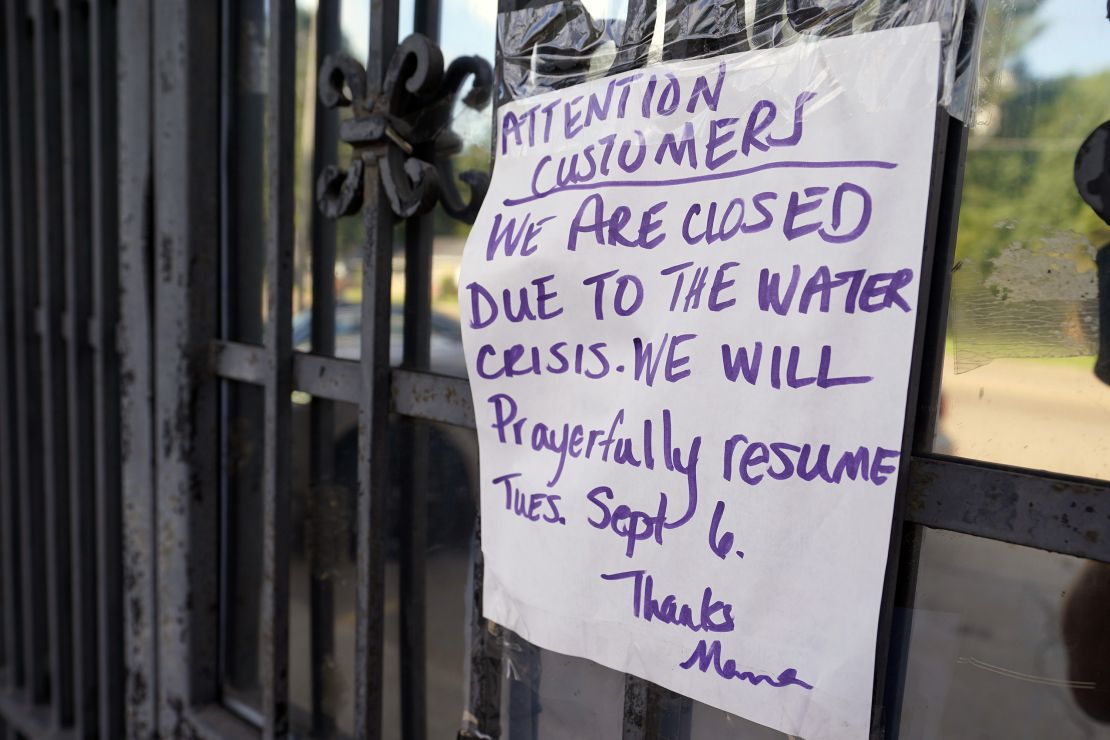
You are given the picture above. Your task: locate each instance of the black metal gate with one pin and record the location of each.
(188, 460)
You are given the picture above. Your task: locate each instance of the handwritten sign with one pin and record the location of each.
(689, 306)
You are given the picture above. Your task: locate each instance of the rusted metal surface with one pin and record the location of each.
(184, 266)
(277, 445)
(406, 121)
(652, 712)
(327, 377)
(373, 412)
(1056, 513)
(433, 397)
(245, 363)
(322, 444)
(136, 367)
(482, 717)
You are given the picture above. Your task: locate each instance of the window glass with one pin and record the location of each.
(1019, 385)
(333, 247)
(464, 30)
(710, 723)
(322, 566)
(1006, 642)
(435, 464)
(558, 697)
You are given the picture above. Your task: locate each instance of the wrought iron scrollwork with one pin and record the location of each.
(408, 127)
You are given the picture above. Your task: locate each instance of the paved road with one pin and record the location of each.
(1049, 415)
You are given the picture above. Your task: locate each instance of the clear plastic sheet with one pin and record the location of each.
(1026, 279)
(547, 46)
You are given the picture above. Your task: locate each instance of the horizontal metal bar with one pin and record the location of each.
(432, 397)
(1049, 512)
(1043, 510)
(327, 377)
(214, 722)
(246, 363)
(29, 720)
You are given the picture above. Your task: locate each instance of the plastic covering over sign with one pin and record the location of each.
(548, 46)
(689, 305)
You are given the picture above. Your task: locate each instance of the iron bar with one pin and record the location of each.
(1058, 513)
(433, 397)
(322, 410)
(950, 144)
(373, 413)
(327, 377)
(53, 218)
(185, 266)
(484, 659)
(414, 460)
(28, 721)
(945, 131)
(985, 502)
(278, 339)
(29, 387)
(652, 712)
(110, 676)
(136, 364)
(246, 363)
(10, 627)
(76, 193)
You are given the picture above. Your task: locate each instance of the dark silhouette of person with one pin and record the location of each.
(1086, 617)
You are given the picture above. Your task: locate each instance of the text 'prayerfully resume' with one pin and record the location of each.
(688, 306)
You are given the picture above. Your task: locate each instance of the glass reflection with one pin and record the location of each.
(549, 696)
(1006, 642)
(241, 460)
(1024, 323)
(322, 566)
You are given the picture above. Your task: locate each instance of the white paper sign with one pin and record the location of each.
(689, 306)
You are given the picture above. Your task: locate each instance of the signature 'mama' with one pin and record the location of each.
(708, 655)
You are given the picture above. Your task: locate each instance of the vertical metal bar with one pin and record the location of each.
(27, 366)
(136, 342)
(936, 326)
(416, 349)
(635, 716)
(110, 677)
(373, 414)
(229, 221)
(278, 335)
(893, 646)
(652, 712)
(50, 310)
(415, 464)
(943, 137)
(322, 411)
(185, 134)
(484, 674)
(76, 194)
(9, 511)
(244, 137)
